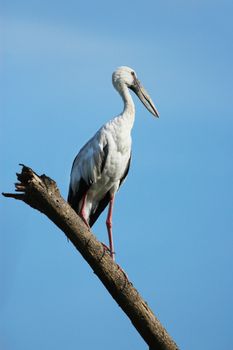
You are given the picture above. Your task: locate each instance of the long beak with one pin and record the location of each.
(143, 95)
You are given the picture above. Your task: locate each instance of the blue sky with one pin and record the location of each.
(173, 217)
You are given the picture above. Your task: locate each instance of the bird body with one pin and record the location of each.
(102, 164)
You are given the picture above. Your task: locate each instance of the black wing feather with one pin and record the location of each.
(105, 150)
(101, 206)
(75, 197)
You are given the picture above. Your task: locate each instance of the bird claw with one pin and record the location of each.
(106, 248)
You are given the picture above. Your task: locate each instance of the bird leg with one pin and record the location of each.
(109, 228)
(82, 213)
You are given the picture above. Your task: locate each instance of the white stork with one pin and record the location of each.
(103, 163)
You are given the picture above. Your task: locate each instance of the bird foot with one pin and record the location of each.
(106, 248)
(112, 254)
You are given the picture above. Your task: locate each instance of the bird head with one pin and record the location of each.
(127, 76)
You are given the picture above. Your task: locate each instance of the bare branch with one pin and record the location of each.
(41, 193)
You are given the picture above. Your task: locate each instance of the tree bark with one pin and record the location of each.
(41, 193)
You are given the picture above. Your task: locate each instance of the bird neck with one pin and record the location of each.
(129, 108)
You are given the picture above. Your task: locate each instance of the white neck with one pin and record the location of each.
(129, 108)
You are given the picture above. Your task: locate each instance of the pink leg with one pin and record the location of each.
(109, 228)
(82, 213)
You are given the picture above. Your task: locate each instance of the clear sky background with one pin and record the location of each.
(173, 218)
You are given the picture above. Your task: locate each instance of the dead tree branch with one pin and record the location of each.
(41, 193)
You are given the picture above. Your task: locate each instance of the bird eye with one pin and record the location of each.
(133, 74)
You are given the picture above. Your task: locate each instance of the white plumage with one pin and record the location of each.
(103, 163)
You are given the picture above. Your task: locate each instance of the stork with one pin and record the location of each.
(102, 164)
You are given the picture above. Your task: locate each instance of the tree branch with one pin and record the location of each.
(41, 193)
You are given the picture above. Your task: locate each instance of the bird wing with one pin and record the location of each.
(106, 199)
(87, 168)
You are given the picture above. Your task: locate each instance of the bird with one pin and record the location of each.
(103, 163)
